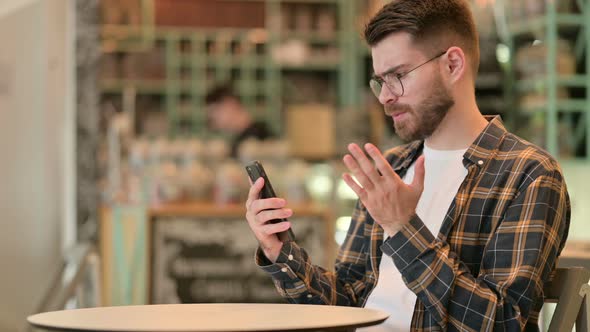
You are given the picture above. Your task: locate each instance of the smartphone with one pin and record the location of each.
(255, 171)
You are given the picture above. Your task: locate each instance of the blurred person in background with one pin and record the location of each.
(457, 230)
(227, 114)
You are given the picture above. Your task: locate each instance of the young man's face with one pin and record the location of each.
(222, 114)
(425, 100)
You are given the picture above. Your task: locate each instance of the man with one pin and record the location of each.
(457, 230)
(227, 114)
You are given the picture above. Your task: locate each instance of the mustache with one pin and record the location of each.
(392, 109)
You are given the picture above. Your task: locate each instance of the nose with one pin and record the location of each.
(386, 97)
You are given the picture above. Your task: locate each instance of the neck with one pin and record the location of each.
(460, 127)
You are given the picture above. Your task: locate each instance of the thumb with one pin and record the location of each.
(419, 171)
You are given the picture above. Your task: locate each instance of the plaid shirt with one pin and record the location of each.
(485, 271)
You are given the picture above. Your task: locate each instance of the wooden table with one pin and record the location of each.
(210, 317)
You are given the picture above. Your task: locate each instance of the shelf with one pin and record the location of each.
(243, 55)
(311, 37)
(489, 81)
(117, 33)
(146, 86)
(253, 89)
(491, 103)
(311, 66)
(563, 105)
(574, 81)
(312, 2)
(142, 86)
(213, 60)
(188, 209)
(538, 23)
(184, 87)
(187, 33)
(317, 2)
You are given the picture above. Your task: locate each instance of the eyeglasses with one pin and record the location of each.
(393, 80)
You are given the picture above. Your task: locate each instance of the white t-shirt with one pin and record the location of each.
(444, 174)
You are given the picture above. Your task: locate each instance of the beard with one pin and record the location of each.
(421, 122)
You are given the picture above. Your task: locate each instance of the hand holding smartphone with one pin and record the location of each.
(255, 171)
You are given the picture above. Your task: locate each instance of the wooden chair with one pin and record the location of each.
(570, 290)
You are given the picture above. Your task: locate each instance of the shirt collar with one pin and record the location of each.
(409, 155)
(480, 151)
(487, 143)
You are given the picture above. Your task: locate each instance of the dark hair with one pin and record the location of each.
(219, 93)
(434, 25)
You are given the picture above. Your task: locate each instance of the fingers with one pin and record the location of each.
(362, 169)
(419, 173)
(270, 229)
(259, 205)
(254, 192)
(358, 190)
(381, 163)
(265, 216)
(369, 173)
(260, 211)
(355, 169)
(255, 204)
(361, 164)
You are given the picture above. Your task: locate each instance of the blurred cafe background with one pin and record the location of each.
(116, 189)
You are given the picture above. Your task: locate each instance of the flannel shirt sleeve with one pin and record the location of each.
(517, 261)
(299, 281)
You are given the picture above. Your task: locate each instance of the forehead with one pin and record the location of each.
(394, 50)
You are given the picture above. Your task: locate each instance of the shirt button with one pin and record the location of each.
(284, 269)
(309, 296)
(480, 162)
(290, 257)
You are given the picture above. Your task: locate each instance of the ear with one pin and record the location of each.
(455, 64)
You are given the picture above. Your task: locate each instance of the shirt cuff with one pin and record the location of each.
(288, 266)
(409, 243)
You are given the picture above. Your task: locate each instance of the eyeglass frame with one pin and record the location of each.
(379, 79)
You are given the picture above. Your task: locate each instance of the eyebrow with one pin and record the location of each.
(389, 71)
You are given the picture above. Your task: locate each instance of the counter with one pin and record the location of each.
(196, 253)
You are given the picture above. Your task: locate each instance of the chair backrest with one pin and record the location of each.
(568, 289)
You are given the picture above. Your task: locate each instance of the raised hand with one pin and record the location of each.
(390, 201)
